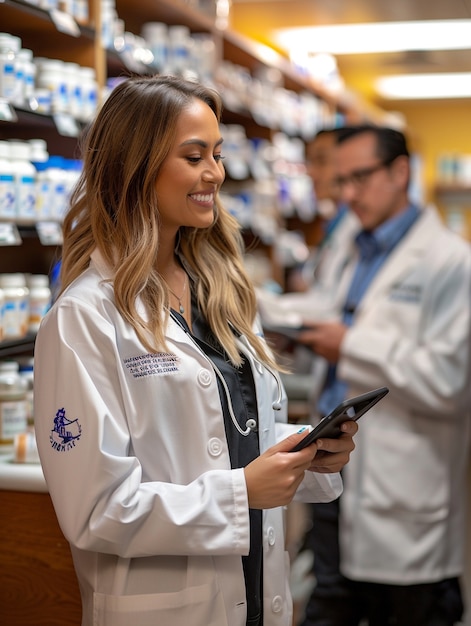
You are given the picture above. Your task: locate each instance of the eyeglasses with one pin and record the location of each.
(359, 178)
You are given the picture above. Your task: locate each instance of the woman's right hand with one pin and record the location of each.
(273, 478)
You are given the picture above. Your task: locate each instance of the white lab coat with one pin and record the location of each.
(404, 501)
(135, 456)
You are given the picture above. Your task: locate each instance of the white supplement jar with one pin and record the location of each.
(13, 407)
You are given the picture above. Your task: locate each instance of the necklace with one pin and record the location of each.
(181, 308)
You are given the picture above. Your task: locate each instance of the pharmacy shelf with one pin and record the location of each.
(16, 347)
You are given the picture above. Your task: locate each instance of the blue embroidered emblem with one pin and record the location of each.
(65, 433)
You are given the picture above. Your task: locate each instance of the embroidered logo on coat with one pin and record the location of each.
(158, 364)
(65, 433)
(406, 293)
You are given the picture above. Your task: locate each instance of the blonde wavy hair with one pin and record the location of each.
(114, 208)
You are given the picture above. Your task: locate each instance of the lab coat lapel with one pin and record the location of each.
(416, 243)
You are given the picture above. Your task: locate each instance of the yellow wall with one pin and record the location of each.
(437, 128)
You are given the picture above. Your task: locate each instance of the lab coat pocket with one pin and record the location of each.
(404, 475)
(199, 606)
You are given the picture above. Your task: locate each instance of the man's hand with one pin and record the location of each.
(324, 338)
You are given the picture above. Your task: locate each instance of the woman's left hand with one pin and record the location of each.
(333, 454)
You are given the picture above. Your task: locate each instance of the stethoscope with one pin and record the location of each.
(250, 424)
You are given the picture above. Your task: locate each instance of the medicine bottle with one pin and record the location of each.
(51, 76)
(16, 306)
(24, 76)
(25, 180)
(39, 299)
(179, 43)
(7, 183)
(156, 36)
(13, 405)
(89, 92)
(9, 47)
(39, 158)
(56, 178)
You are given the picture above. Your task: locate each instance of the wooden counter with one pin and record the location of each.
(38, 586)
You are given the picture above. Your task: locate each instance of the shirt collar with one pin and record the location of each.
(384, 238)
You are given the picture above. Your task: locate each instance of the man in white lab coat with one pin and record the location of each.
(404, 306)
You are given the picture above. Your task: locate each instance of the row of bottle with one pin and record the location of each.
(34, 186)
(45, 85)
(77, 9)
(175, 50)
(54, 86)
(454, 169)
(24, 301)
(16, 409)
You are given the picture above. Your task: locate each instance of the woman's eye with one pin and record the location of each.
(198, 159)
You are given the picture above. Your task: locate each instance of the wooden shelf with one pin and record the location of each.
(443, 190)
(14, 347)
(39, 33)
(171, 12)
(456, 194)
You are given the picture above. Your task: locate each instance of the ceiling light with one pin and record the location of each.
(377, 37)
(425, 86)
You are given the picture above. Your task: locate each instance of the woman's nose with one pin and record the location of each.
(214, 173)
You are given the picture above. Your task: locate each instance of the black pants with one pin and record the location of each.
(338, 601)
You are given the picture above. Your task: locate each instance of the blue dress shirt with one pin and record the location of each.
(374, 248)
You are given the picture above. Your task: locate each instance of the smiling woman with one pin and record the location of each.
(160, 416)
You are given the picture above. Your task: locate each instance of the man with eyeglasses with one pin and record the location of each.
(392, 552)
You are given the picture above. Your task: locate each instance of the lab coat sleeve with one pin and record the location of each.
(96, 485)
(427, 365)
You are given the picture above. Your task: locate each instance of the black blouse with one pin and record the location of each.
(242, 448)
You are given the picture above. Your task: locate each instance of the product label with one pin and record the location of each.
(13, 419)
(12, 319)
(7, 196)
(26, 200)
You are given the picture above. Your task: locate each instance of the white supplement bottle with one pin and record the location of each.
(9, 48)
(13, 405)
(16, 305)
(7, 183)
(24, 174)
(39, 299)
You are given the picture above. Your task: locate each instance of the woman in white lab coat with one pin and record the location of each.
(155, 395)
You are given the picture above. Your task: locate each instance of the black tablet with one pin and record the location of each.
(352, 409)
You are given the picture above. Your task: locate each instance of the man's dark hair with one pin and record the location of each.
(327, 130)
(390, 143)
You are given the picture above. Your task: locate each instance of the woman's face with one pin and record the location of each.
(193, 172)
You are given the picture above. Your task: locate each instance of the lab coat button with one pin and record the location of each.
(277, 604)
(204, 378)
(214, 446)
(271, 536)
